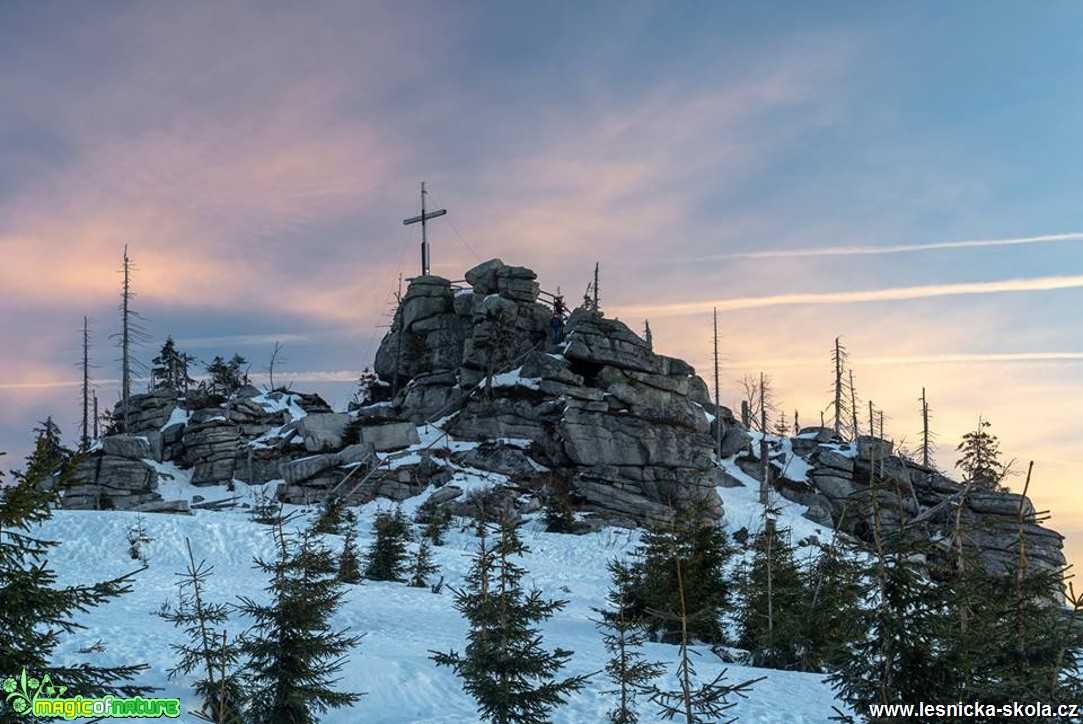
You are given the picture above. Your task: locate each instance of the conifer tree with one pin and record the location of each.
(137, 538)
(900, 656)
(834, 584)
(334, 516)
(557, 513)
(693, 700)
(980, 458)
(386, 557)
(623, 637)
(169, 370)
(266, 510)
(422, 566)
(1017, 639)
(35, 613)
(49, 445)
(292, 652)
(208, 649)
(695, 538)
(505, 667)
(365, 384)
(436, 521)
(349, 561)
(227, 377)
(774, 612)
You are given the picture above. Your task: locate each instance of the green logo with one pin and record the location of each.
(45, 698)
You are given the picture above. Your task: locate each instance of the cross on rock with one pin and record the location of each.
(425, 216)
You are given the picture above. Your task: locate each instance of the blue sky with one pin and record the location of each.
(258, 159)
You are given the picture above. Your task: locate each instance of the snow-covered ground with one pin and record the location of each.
(402, 625)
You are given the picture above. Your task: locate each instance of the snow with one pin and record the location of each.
(179, 416)
(514, 379)
(743, 510)
(277, 401)
(402, 625)
(795, 467)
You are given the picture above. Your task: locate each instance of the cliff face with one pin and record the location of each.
(624, 428)
(475, 383)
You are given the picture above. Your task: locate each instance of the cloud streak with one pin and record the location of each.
(869, 250)
(1038, 284)
(931, 359)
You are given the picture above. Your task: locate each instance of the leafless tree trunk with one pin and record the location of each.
(839, 360)
(925, 431)
(84, 438)
(271, 367)
(765, 463)
(125, 339)
(853, 405)
(717, 404)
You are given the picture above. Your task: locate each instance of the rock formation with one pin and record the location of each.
(473, 383)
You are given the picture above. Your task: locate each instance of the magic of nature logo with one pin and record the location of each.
(42, 697)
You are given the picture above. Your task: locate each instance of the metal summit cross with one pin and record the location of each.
(425, 216)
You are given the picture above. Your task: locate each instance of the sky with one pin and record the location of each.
(904, 176)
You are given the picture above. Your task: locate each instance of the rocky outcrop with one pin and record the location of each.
(626, 426)
(211, 444)
(627, 434)
(444, 338)
(849, 485)
(146, 412)
(110, 481)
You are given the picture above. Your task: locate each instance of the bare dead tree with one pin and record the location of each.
(927, 436)
(84, 437)
(596, 303)
(839, 361)
(717, 404)
(853, 407)
(131, 334)
(126, 339)
(397, 325)
(759, 398)
(271, 366)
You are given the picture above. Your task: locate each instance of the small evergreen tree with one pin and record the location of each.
(34, 612)
(137, 538)
(505, 667)
(422, 566)
(266, 510)
(980, 458)
(775, 604)
(386, 557)
(349, 561)
(558, 514)
(704, 550)
(49, 445)
(169, 370)
(208, 648)
(363, 394)
(694, 702)
(333, 516)
(292, 651)
(900, 656)
(833, 580)
(227, 377)
(436, 520)
(622, 637)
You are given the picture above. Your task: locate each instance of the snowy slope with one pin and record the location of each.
(401, 624)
